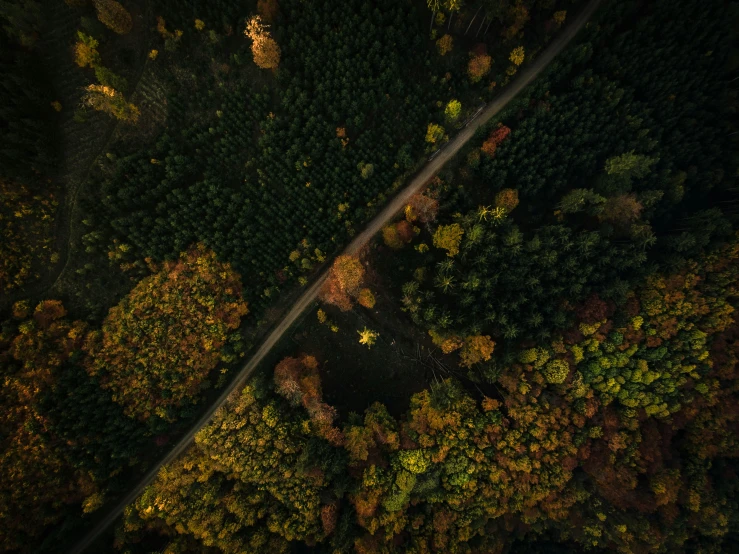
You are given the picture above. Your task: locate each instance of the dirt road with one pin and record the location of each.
(374, 226)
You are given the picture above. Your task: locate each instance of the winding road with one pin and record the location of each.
(416, 185)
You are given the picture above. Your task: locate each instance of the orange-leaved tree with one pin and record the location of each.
(114, 16)
(496, 137)
(159, 343)
(343, 283)
(265, 50)
(297, 379)
(478, 67)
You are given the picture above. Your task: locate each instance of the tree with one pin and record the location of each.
(507, 199)
(367, 337)
(390, 237)
(366, 170)
(396, 235)
(26, 225)
(434, 133)
(37, 480)
(479, 66)
(476, 349)
(556, 371)
(453, 109)
(185, 311)
(106, 99)
(517, 17)
(85, 51)
(421, 208)
(265, 50)
(298, 380)
(621, 210)
(343, 282)
(517, 55)
(366, 298)
(444, 45)
(448, 237)
(114, 16)
(496, 137)
(256, 497)
(578, 200)
(630, 165)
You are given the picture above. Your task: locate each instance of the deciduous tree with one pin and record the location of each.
(114, 16)
(106, 99)
(479, 66)
(448, 237)
(186, 311)
(343, 282)
(264, 48)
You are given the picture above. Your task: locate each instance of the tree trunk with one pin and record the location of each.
(473, 19)
(488, 27)
(480, 27)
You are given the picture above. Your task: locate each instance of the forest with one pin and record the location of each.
(538, 353)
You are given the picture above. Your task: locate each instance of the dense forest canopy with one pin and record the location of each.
(547, 331)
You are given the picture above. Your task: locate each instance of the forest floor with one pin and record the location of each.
(82, 141)
(307, 299)
(354, 376)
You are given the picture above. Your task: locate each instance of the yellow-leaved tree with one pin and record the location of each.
(448, 237)
(106, 99)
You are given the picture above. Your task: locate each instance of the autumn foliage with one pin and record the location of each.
(366, 298)
(159, 344)
(265, 50)
(479, 66)
(476, 349)
(26, 225)
(250, 460)
(507, 199)
(298, 380)
(496, 137)
(444, 45)
(85, 51)
(106, 99)
(343, 282)
(114, 16)
(449, 237)
(396, 235)
(421, 208)
(36, 479)
(618, 434)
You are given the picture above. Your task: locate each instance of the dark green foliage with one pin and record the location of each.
(181, 14)
(96, 435)
(25, 113)
(620, 160)
(252, 185)
(514, 283)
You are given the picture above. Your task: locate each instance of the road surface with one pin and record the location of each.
(416, 185)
